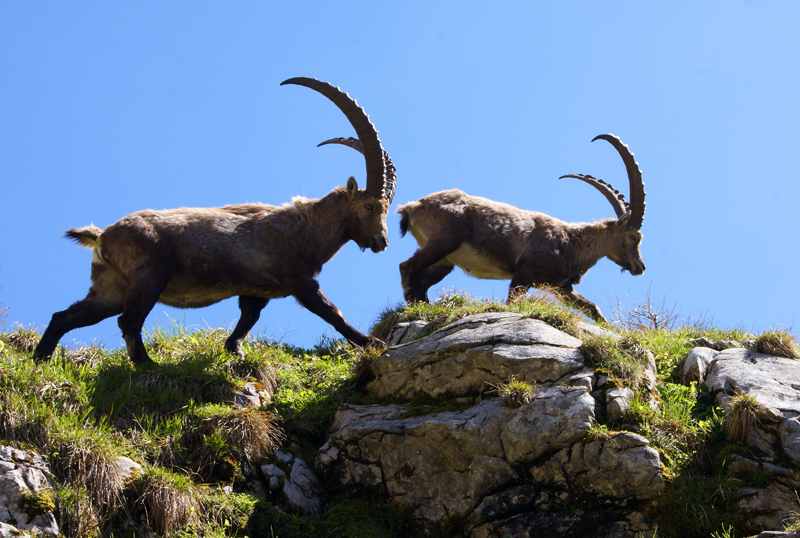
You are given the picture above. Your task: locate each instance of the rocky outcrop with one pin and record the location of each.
(486, 470)
(295, 489)
(25, 484)
(468, 356)
(775, 384)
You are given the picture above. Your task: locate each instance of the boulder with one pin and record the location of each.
(617, 470)
(469, 356)
(445, 464)
(696, 364)
(22, 474)
(774, 381)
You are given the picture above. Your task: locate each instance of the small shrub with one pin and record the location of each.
(650, 315)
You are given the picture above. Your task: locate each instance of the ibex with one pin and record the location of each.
(195, 257)
(494, 240)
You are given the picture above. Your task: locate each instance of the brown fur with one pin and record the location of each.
(194, 257)
(490, 239)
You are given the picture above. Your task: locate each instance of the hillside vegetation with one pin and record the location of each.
(85, 408)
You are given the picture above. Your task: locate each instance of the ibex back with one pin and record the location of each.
(194, 257)
(493, 240)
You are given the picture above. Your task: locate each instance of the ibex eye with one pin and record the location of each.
(369, 206)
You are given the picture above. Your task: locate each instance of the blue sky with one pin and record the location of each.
(109, 108)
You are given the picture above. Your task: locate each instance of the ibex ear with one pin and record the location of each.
(623, 220)
(352, 188)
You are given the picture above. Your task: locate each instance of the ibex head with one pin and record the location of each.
(368, 202)
(368, 207)
(627, 253)
(366, 218)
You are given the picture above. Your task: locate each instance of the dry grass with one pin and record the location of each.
(256, 433)
(224, 438)
(172, 502)
(779, 343)
(746, 412)
(88, 463)
(22, 340)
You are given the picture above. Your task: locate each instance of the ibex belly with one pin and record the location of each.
(182, 294)
(476, 264)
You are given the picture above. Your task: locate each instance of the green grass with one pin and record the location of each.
(451, 306)
(86, 407)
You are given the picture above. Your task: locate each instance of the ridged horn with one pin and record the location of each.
(636, 205)
(367, 133)
(391, 172)
(606, 189)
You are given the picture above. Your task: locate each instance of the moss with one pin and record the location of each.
(39, 503)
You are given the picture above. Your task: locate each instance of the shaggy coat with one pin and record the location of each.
(195, 257)
(493, 240)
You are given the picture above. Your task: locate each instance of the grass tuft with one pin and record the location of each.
(779, 343)
(172, 501)
(452, 305)
(746, 412)
(21, 340)
(516, 393)
(624, 359)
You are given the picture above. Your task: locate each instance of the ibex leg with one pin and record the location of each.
(105, 299)
(574, 298)
(93, 309)
(521, 282)
(142, 297)
(251, 310)
(308, 292)
(427, 266)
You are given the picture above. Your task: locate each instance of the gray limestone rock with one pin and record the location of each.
(774, 381)
(446, 463)
(769, 508)
(23, 473)
(618, 469)
(403, 333)
(696, 364)
(301, 491)
(789, 432)
(468, 356)
(617, 402)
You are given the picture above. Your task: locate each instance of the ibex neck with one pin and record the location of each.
(324, 223)
(590, 241)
